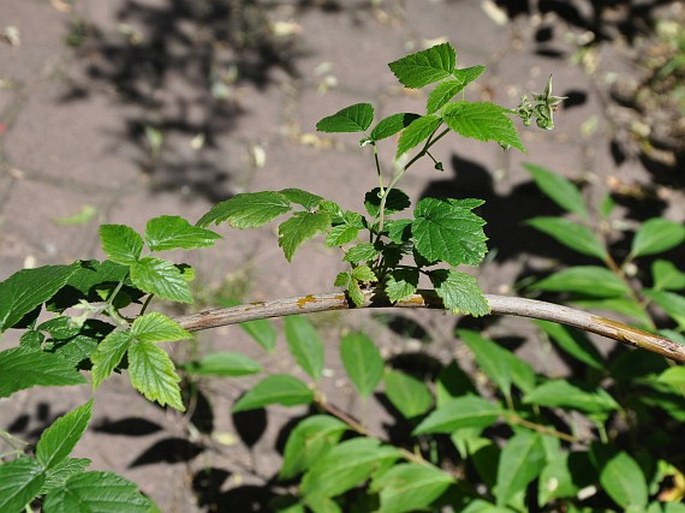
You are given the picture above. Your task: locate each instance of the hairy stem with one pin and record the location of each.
(499, 305)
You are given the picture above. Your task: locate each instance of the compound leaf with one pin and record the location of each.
(275, 389)
(223, 363)
(57, 441)
(108, 355)
(396, 201)
(153, 374)
(443, 93)
(157, 327)
(418, 131)
(304, 198)
(363, 252)
(656, 236)
(447, 230)
(425, 67)
(410, 487)
(459, 292)
(299, 228)
(121, 243)
(483, 121)
(406, 393)
(59, 473)
(401, 283)
(305, 345)
(362, 361)
(20, 481)
(162, 278)
(392, 124)
(355, 118)
(462, 412)
(21, 368)
(174, 232)
(572, 235)
(247, 210)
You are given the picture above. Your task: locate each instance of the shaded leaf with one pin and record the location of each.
(424, 67)
(152, 373)
(262, 331)
(396, 201)
(174, 232)
(410, 487)
(275, 389)
(666, 276)
(247, 210)
(563, 394)
(162, 278)
(58, 440)
(558, 189)
(355, 118)
(401, 283)
(392, 124)
(656, 236)
(574, 343)
(585, 279)
(299, 228)
(671, 303)
(521, 461)
(483, 121)
(109, 354)
(305, 345)
(570, 234)
(623, 480)
(462, 412)
(121, 243)
(406, 393)
(418, 131)
(362, 361)
(223, 363)
(459, 292)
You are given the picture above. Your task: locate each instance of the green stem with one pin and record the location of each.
(379, 170)
(146, 303)
(513, 418)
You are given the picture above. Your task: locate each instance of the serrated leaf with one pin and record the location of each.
(58, 440)
(418, 131)
(262, 331)
(157, 327)
(223, 363)
(585, 279)
(666, 276)
(305, 345)
(401, 283)
(341, 234)
(443, 93)
(97, 492)
(459, 292)
(671, 303)
(623, 480)
(247, 210)
(561, 393)
(299, 228)
(343, 280)
(162, 278)
(410, 487)
(483, 121)
(21, 368)
(396, 201)
(109, 354)
(61, 327)
(459, 413)
(425, 67)
(152, 373)
(521, 461)
(656, 236)
(174, 232)
(355, 118)
(574, 343)
(468, 75)
(345, 466)
(304, 198)
(362, 361)
(570, 234)
(58, 474)
(280, 389)
(308, 441)
(446, 231)
(121, 243)
(394, 123)
(558, 189)
(22, 292)
(355, 293)
(399, 230)
(410, 396)
(363, 252)
(20, 481)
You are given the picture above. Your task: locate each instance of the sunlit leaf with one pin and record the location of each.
(424, 67)
(355, 118)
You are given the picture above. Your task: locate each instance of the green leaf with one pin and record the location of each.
(570, 234)
(623, 480)
(262, 331)
(674, 376)
(406, 393)
(162, 278)
(153, 374)
(364, 274)
(20, 481)
(392, 124)
(483, 121)
(355, 293)
(656, 236)
(558, 189)
(442, 94)
(468, 75)
(667, 276)
(521, 461)
(174, 232)
(97, 492)
(247, 210)
(355, 118)
(396, 201)
(21, 369)
(462, 412)
(452, 382)
(459, 292)
(304, 198)
(308, 441)
(363, 252)
(410, 487)
(61, 327)
(223, 363)
(22, 292)
(574, 343)
(57, 441)
(345, 466)
(425, 67)
(447, 230)
(362, 361)
(623, 306)
(494, 360)
(109, 354)
(275, 389)
(56, 476)
(556, 479)
(418, 131)
(305, 345)
(299, 228)
(585, 279)
(401, 283)
(673, 304)
(121, 243)
(399, 230)
(157, 327)
(560, 393)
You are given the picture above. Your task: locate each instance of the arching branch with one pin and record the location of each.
(499, 305)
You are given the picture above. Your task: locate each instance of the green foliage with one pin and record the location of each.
(275, 389)
(363, 362)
